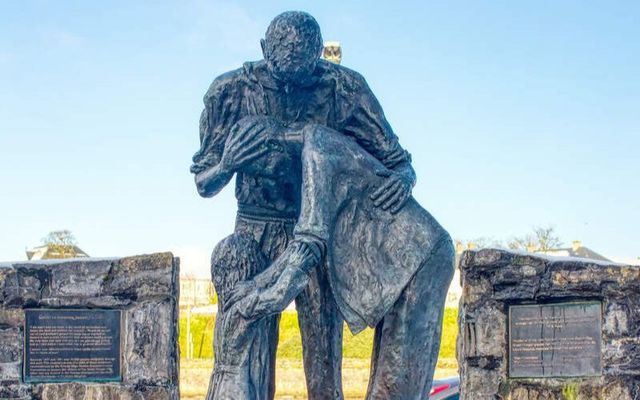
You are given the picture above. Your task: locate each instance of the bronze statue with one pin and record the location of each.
(325, 209)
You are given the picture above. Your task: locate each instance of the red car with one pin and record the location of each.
(445, 389)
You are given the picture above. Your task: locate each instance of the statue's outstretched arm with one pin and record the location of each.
(294, 265)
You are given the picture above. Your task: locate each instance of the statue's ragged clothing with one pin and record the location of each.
(371, 254)
(269, 197)
(324, 199)
(334, 96)
(389, 271)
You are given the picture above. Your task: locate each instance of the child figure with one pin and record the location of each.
(241, 340)
(241, 346)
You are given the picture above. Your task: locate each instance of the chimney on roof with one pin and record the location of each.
(576, 245)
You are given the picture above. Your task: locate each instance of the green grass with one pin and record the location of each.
(449, 333)
(289, 341)
(290, 345)
(201, 333)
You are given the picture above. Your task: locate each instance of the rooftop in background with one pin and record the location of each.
(47, 252)
(576, 250)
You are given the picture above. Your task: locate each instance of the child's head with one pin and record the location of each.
(236, 258)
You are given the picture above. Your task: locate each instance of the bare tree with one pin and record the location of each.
(541, 239)
(62, 244)
(547, 238)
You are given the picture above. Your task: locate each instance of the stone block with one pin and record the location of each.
(141, 277)
(150, 344)
(145, 288)
(11, 318)
(10, 354)
(494, 280)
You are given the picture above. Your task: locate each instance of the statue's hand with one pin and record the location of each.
(304, 254)
(240, 291)
(394, 191)
(246, 307)
(247, 142)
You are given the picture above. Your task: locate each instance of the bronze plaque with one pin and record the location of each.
(72, 345)
(555, 340)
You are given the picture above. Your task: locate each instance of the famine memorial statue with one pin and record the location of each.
(325, 217)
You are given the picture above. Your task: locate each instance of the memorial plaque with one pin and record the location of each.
(555, 340)
(72, 345)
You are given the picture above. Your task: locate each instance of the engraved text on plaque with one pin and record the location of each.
(72, 345)
(555, 340)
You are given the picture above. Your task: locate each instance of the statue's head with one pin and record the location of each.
(292, 46)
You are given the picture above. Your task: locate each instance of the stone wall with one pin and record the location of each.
(144, 287)
(493, 280)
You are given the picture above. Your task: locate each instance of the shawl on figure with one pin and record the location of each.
(371, 254)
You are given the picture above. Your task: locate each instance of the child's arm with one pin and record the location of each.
(300, 257)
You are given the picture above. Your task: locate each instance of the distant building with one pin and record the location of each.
(576, 250)
(195, 292)
(332, 52)
(47, 252)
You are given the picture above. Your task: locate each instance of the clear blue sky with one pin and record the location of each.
(517, 114)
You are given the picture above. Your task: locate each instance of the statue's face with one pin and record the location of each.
(332, 52)
(289, 57)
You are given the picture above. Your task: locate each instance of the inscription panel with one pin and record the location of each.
(555, 340)
(72, 345)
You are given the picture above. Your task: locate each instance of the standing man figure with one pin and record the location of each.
(290, 89)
